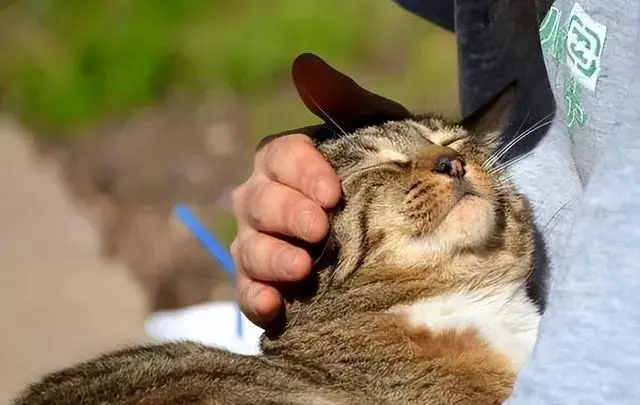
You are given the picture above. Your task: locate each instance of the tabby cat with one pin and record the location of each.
(420, 291)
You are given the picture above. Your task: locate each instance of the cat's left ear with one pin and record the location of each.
(337, 99)
(490, 121)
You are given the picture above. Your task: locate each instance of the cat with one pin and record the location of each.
(419, 294)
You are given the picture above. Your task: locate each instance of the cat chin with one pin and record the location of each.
(470, 223)
(471, 215)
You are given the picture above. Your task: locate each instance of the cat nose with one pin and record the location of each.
(450, 165)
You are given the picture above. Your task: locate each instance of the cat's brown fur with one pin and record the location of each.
(409, 229)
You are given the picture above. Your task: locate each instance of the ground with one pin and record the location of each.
(130, 174)
(60, 301)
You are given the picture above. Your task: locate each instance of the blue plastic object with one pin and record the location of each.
(213, 246)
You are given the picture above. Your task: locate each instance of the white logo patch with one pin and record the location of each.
(584, 45)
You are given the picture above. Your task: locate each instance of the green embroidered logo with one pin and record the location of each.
(574, 113)
(574, 47)
(553, 36)
(549, 30)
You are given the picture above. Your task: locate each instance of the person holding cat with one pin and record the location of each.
(573, 147)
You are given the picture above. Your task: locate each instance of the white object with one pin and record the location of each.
(212, 324)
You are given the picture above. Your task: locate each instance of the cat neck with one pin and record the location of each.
(378, 310)
(504, 316)
(472, 341)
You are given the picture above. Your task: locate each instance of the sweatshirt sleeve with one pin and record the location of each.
(439, 12)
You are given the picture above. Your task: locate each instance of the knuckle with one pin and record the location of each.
(235, 250)
(313, 172)
(256, 201)
(303, 156)
(237, 197)
(250, 247)
(269, 153)
(292, 149)
(238, 193)
(241, 294)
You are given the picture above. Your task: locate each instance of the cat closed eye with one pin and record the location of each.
(452, 143)
(401, 165)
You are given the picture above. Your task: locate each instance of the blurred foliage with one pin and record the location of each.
(224, 226)
(68, 64)
(71, 62)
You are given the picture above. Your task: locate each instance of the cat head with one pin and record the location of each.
(418, 191)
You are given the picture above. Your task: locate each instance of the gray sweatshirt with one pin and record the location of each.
(577, 64)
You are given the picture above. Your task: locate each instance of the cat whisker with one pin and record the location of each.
(509, 163)
(517, 132)
(523, 121)
(555, 216)
(503, 182)
(324, 250)
(502, 151)
(324, 112)
(503, 177)
(504, 186)
(495, 156)
(504, 190)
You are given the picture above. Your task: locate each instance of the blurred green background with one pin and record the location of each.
(70, 63)
(68, 66)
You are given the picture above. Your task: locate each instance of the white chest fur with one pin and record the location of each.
(505, 318)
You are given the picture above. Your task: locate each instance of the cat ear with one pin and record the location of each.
(337, 99)
(490, 121)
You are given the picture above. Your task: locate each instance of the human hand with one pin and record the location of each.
(285, 196)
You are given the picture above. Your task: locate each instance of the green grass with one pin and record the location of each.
(66, 64)
(224, 226)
